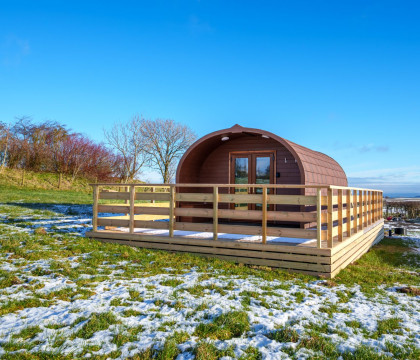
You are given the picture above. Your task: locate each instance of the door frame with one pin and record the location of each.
(252, 155)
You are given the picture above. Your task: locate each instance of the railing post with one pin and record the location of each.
(318, 218)
(264, 215)
(370, 208)
(364, 209)
(132, 203)
(340, 215)
(360, 209)
(330, 223)
(95, 207)
(171, 210)
(381, 204)
(374, 206)
(126, 201)
(355, 229)
(348, 212)
(215, 212)
(152, 190)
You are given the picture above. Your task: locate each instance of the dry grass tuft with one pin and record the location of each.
(410, 290)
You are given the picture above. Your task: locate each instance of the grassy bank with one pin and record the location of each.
(41, 188)
(12, 194)
(42, 181)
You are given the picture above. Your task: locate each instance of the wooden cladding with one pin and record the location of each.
(332, 216)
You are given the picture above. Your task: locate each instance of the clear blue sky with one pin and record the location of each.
(341, 77)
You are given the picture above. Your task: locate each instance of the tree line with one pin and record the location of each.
(130, 148)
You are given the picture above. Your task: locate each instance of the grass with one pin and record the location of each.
(225, 326)
(208, 351)
(41, 188)
(388, 263)
(167, 299)
(387, 326)
(27, 333)
(284, 335)
(43, 181)
(96, 322)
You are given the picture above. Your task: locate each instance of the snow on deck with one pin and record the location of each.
(222, 236)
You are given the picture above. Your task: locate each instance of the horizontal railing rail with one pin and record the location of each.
(329, 214)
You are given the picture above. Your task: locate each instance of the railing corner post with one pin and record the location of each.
(264, 215)
(340, 214)
(95, 207)
(132, 203)
(215, 212)
(171, 210)
(330, 223)
(318, 218)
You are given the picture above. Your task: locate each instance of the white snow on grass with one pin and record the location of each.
(162, 309)
(148, 307)
(74, 219)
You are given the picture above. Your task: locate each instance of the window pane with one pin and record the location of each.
(262, 170)
(241, 177)
(262, 175)
(241, 170)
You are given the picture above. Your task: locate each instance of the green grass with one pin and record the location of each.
(43, 181)
(285, 334)
(27, 333)
(44, 256)
(208, 351)
(127, 335)
(388, 263)
(387, 326)
(96, 322)
(225, 326)
(16, 195)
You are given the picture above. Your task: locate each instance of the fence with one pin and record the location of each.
(332, 215)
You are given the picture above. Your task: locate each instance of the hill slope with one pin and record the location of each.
(46, 181)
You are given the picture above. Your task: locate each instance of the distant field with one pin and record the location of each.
(63, 296)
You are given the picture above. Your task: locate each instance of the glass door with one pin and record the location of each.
(263, 174)
(241, 176)
(251, 168)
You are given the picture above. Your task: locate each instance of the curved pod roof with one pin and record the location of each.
(315, 167)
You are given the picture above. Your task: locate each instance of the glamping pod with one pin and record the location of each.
(240, 155)
(249, 196)
(253, 156)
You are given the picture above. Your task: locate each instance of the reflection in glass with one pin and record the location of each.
(262, 175)
(241, 177)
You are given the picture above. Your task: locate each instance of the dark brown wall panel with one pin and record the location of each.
(215, 167)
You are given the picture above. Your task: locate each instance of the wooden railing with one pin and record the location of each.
(328, 214)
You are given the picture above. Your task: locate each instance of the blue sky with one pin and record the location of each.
(340, 77)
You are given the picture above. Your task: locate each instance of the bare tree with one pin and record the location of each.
(167, 141)
(127, 140)
(4, 143)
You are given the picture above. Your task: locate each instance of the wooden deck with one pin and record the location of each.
(348, 221)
